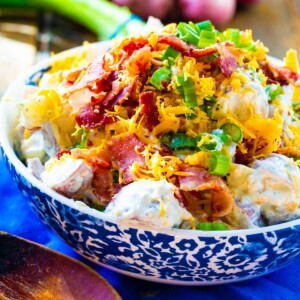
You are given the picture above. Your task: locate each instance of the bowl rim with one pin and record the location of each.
(79, 205)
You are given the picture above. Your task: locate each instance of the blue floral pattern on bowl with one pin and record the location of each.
(168, 256)
(172, 258)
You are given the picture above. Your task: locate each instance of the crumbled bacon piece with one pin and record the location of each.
(105, 84)
(102, 183)
(149, 110)
(199, 181)
(139, 62)
(175, 42)
(103, 186)
(94, 73)
(93, 116)
(180, 197)
(117, 95)
(123, 150)
(189, 49)
(126, 49)
(60, 153)
(227, 60)
(281, 75)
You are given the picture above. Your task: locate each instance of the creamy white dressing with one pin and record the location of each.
(272, 184)
(34, 146)
(149, 202)
(250, 99)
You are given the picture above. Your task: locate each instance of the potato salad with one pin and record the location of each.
(182, 126)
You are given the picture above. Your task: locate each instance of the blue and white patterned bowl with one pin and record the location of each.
(170, 256)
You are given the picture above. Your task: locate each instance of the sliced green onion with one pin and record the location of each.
(273, 91)
(97, 206)
(296, 105)
(210, 99)
(209, 105)
(191, 116)
(210, 109)
(205, 25)
(83, 143)
(250, 46)
(194, 26)
(219, 164)
(162, 74)
(296, 109)
(100, 16)
(207, 38)
(233, 130)
(165, 139)
(187, 89)
(207, 226)
(221, 37)
(233, 35)
(187, 33)
(170, 54)
(181, 140)
(221, 135)
(209, 143)
(115, 175)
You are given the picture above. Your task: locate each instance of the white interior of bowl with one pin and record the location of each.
(8, 111)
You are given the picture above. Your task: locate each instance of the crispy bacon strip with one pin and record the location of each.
(126, 48)
(200, 180)
(93, 116)
(117, 95)
(211, 49)
(276, 74)
(102, 183)
(93, 73)
(189, 49)
(283, 73)
(139, 62)
(227, 60)
(176, 43)
(149, 110)
(123, 150)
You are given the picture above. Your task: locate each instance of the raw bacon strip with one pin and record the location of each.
(200, 180)
(93, 116)
(149, 110)
(123, 154)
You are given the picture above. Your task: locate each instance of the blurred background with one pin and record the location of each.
(30, 29)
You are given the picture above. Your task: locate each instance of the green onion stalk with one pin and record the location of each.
(102, 17)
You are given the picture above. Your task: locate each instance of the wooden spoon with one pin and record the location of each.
(33, 272)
